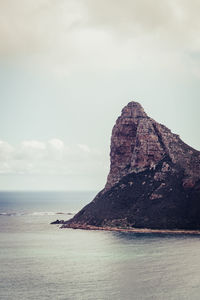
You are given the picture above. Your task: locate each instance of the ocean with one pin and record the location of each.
(41, 261)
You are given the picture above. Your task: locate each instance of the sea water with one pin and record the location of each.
(41, 261)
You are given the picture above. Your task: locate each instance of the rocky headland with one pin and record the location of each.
(153, 183)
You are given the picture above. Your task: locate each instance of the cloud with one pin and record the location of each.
(129, 16)
(33, 145)
(50, 158)
(145, 15)
(56, 144)
(6, 151)
(32, 26)
(30, 150)
(72, 35)
(85, 148)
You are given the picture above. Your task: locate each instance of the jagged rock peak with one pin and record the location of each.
(138, 142)
(133, 110)
(134, 143)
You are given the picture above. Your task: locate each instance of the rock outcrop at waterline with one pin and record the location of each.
(154, 179)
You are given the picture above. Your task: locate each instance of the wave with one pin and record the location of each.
(49, 213)
(36, 213)
(10, 214)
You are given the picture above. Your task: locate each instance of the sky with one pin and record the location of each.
(68, 67)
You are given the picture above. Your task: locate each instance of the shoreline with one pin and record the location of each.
(133, 230)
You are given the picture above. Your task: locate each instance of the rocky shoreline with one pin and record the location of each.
(133, 230)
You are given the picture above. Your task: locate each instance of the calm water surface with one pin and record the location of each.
(41, 261)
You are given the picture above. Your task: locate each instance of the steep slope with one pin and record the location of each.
(154, 179)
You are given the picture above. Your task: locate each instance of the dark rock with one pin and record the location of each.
(154, 179)
(58, 222)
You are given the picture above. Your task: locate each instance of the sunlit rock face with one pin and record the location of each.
(135, 144)
(138, 142)
(154, 178)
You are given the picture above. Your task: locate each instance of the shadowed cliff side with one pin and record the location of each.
(154, 179)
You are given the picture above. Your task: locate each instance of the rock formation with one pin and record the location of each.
(154, 179)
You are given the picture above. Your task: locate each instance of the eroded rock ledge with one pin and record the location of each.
(154, 179)
(133, 230)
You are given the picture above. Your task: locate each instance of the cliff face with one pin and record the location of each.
(154, 178)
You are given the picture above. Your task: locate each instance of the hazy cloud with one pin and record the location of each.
(85, 148)
(57, 144)
(50, 158)
(32, 26)
(74, 34)
(144, 16)
(6, 151)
